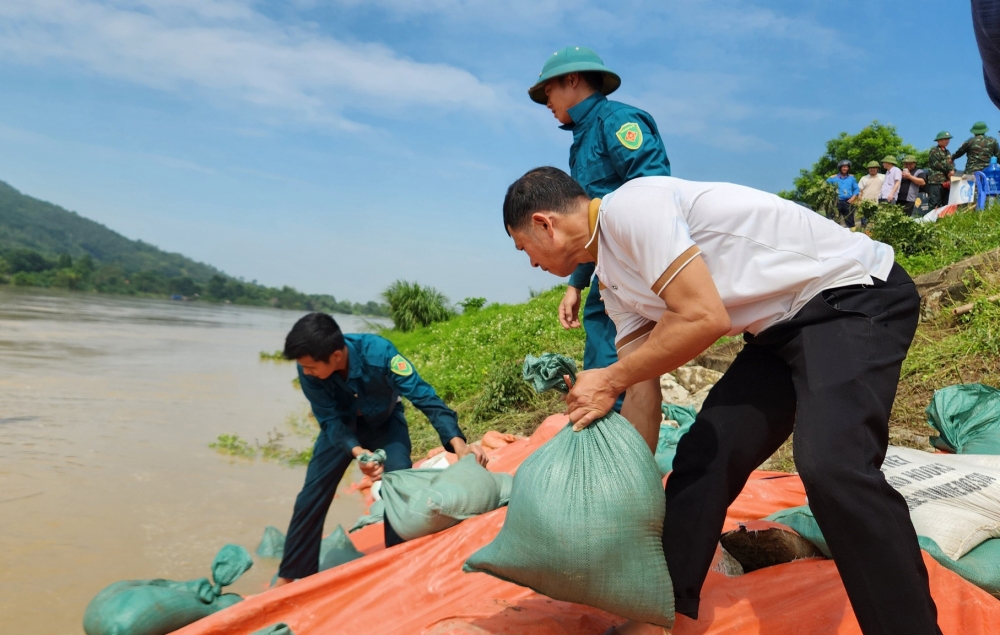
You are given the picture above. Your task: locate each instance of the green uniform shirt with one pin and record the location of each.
(939, 165)
(979, 148)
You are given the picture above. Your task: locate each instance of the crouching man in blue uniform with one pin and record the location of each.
(354, 384)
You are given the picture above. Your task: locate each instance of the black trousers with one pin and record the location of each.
(329, 462)
(846, 212)
(829, 374)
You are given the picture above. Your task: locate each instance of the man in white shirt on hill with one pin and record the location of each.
(827, 317)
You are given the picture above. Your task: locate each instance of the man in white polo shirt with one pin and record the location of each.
(827, 316)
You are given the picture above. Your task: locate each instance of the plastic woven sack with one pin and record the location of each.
(337, 549)
(158, 607)
(981, 566)
(272, 543)
(585, 519)
(422, 502)
(666, 445)
(967, 416)
(376, 514)
(334, 550)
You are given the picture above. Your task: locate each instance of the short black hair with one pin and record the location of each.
(316, 335)
(542, 189)
(594, 79)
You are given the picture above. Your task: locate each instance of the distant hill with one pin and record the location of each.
(44, 245)
(28, 223)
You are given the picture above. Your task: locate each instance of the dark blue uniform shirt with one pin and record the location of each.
(371, 391)
(613, 143)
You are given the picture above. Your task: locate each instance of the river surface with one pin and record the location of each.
(107, 407)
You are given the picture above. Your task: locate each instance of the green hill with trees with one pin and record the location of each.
(44, 245)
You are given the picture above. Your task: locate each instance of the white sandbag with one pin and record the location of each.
(953, 499)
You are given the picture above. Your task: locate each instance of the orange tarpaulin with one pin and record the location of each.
(419, 588)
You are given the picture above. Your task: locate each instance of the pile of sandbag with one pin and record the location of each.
(954, 503)
(158, 607)
(585, 518)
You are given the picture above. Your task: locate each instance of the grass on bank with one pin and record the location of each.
(474, 362)
(955, 238)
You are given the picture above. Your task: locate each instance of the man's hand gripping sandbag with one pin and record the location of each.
(585, 517)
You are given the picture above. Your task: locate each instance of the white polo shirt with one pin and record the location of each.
(768, 256)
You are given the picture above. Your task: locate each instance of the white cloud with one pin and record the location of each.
(226, 50)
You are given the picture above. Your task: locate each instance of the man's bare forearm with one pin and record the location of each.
(675, 341)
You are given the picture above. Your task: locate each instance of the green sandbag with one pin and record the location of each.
(585, 520)
(967, 416)
(422, 502)
(334, 550)
(337, 549)
(666, 445)
(376, 514)
(275, 629)
(158, 607)
(981, 566)
(272, 543)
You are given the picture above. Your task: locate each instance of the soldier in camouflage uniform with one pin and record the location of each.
(979, 148)
(940, 167)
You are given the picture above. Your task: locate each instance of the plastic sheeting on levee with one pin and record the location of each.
(967, 416)
(418, 588)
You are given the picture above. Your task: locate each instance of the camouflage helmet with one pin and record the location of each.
(944, 134)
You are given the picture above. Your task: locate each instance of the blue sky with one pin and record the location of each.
(337, 145)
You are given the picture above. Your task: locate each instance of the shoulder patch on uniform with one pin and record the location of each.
(400, 366)
(630, 134)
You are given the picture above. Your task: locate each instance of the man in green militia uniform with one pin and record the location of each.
(979, 148)
(613, 143)
(940, 167)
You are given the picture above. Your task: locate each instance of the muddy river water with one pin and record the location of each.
(107, 407)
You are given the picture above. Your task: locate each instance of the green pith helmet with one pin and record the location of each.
(909, 159)
(889, 159)
(573, 59)
(944, 134)
(873, 164)
(979, 128)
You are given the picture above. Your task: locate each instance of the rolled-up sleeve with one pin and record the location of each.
(426, 400)
(328, 415)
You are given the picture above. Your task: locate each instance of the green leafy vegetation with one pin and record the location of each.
(474, 362)
(412, 306)
(44, 245)
(966, 233)
(302, 425)
(276, 356)
(907, 237)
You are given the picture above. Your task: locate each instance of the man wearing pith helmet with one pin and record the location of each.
(979, 147)
(940, 167)
(612, 143)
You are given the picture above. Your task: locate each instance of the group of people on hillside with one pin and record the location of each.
(903, 186)
(671, 266)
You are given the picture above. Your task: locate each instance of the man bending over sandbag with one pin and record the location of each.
(354, 384)
(827, 317)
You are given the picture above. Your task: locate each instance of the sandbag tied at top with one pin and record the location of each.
(420, 502)
(546, 372)
(967, 416)
(158, 607)
(272, 543)
(585, 519)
